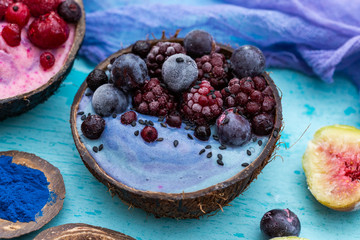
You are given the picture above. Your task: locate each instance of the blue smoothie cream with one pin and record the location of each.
(160, 166)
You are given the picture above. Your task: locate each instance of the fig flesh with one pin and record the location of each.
(332, 167)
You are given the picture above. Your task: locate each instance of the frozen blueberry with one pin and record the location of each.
(280, 223)
(233, 129)
(93, 126)
(179, 71)
(129, 71)
(70, 11)
(262, 124)
(107, 99)
(202, 132)
(198, 43)
(96, 78)
(247, 61)
(141, 48)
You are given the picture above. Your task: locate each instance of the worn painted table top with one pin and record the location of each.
(45, 131)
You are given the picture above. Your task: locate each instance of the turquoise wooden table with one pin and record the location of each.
(45, 131)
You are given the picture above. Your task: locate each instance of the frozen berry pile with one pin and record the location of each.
(192, 84)
(45, 24)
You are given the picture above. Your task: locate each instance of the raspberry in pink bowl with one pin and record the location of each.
(178, 127)
(36, 51)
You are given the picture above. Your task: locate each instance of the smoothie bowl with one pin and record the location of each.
(38, 44)
(172, 135)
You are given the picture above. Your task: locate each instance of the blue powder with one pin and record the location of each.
(23, 191)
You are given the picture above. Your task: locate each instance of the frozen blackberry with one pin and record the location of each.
(158, 55)
(198, 43)
(247, 61)
(202, 104)
(93, 126)
(280, 223)
(107, 99)
(202, 132)
(233, 129)
(262, 124)
(141, 48)
(213, 68)
(179, 71)
(153, 99)
(70, 11)
(128, 72)
(96, 78)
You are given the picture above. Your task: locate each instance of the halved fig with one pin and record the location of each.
(332, 167)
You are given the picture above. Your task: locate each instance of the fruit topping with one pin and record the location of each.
(48, 31)
(233, 129)
(70, 11)
(40, 7)
(11, 33)
(262, 124)
(288, 238)
(179, 71)
(129, 71)
(213, 68)
(141, 48)
(153, 99)
(128, 117)
(93, 126)
(198, 43)
(107, 99)
(202, 132)
(158, 55)
(3, 7)
(47, 60)
(280, 223)
(247, 61)
(332, 167)
(202, 104)
(96, 78)
(149, 134)
(174, 120)
(17, 13)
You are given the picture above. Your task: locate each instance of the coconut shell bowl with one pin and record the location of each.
(178, 175)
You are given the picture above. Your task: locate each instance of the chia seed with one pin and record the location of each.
(227, 90)
(215, 137)
(190, 137)
(226, 121)
(132, 108)
(176, 143)
(160, 139)
(187, 127)
(198, 82)
(133, 123)
(151, 123)
(88, 94)
(260, 142)
(89, 114)
(209, 155)
(201, 151)
(254, 139)
(206, 75)
(83, 117)
(95, 149)
(213, 96)
(208, 146)
(196, 87)
(160, 119)
(163, 85)
(220, 156)
(80, 113)
(275, 134)
(163, 125)
(101, 147)
(248, 152)
(220, 162)
(222, 147)
(179, 60)
(244, 164)
(114, 115)
(141, 122)
(192, 128)
(136, 133)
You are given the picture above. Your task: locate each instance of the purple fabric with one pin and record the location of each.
(314, 37)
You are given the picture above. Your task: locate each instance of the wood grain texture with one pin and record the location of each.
(45, 131)
(10, 229)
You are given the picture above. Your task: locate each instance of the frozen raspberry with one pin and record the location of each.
(149, 134)
(93, 126)
(198, 43)
(159, 53)
(128, 72)
(128, 117)
(141, 48)
(262, 124)
(11, 33)
(174, 120)
(40, 7)
(47, 60)
(18, 13)
(247, 61)
(202, 104)
(213, 68)
(179, 71)
(96, 78)
(48, 31)
(70, 11)
(232, 128)
(153, 99)
(3, 7)
(202, 132)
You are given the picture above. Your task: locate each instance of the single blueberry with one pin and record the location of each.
(70, 11)
(141, 48)
(107, 99)
(198, 43)
(96, 78)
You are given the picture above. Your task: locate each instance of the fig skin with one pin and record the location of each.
(327, 179)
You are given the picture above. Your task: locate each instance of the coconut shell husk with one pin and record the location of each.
(10, 229)
(183, 205)
(19, 104)
(80, 231)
